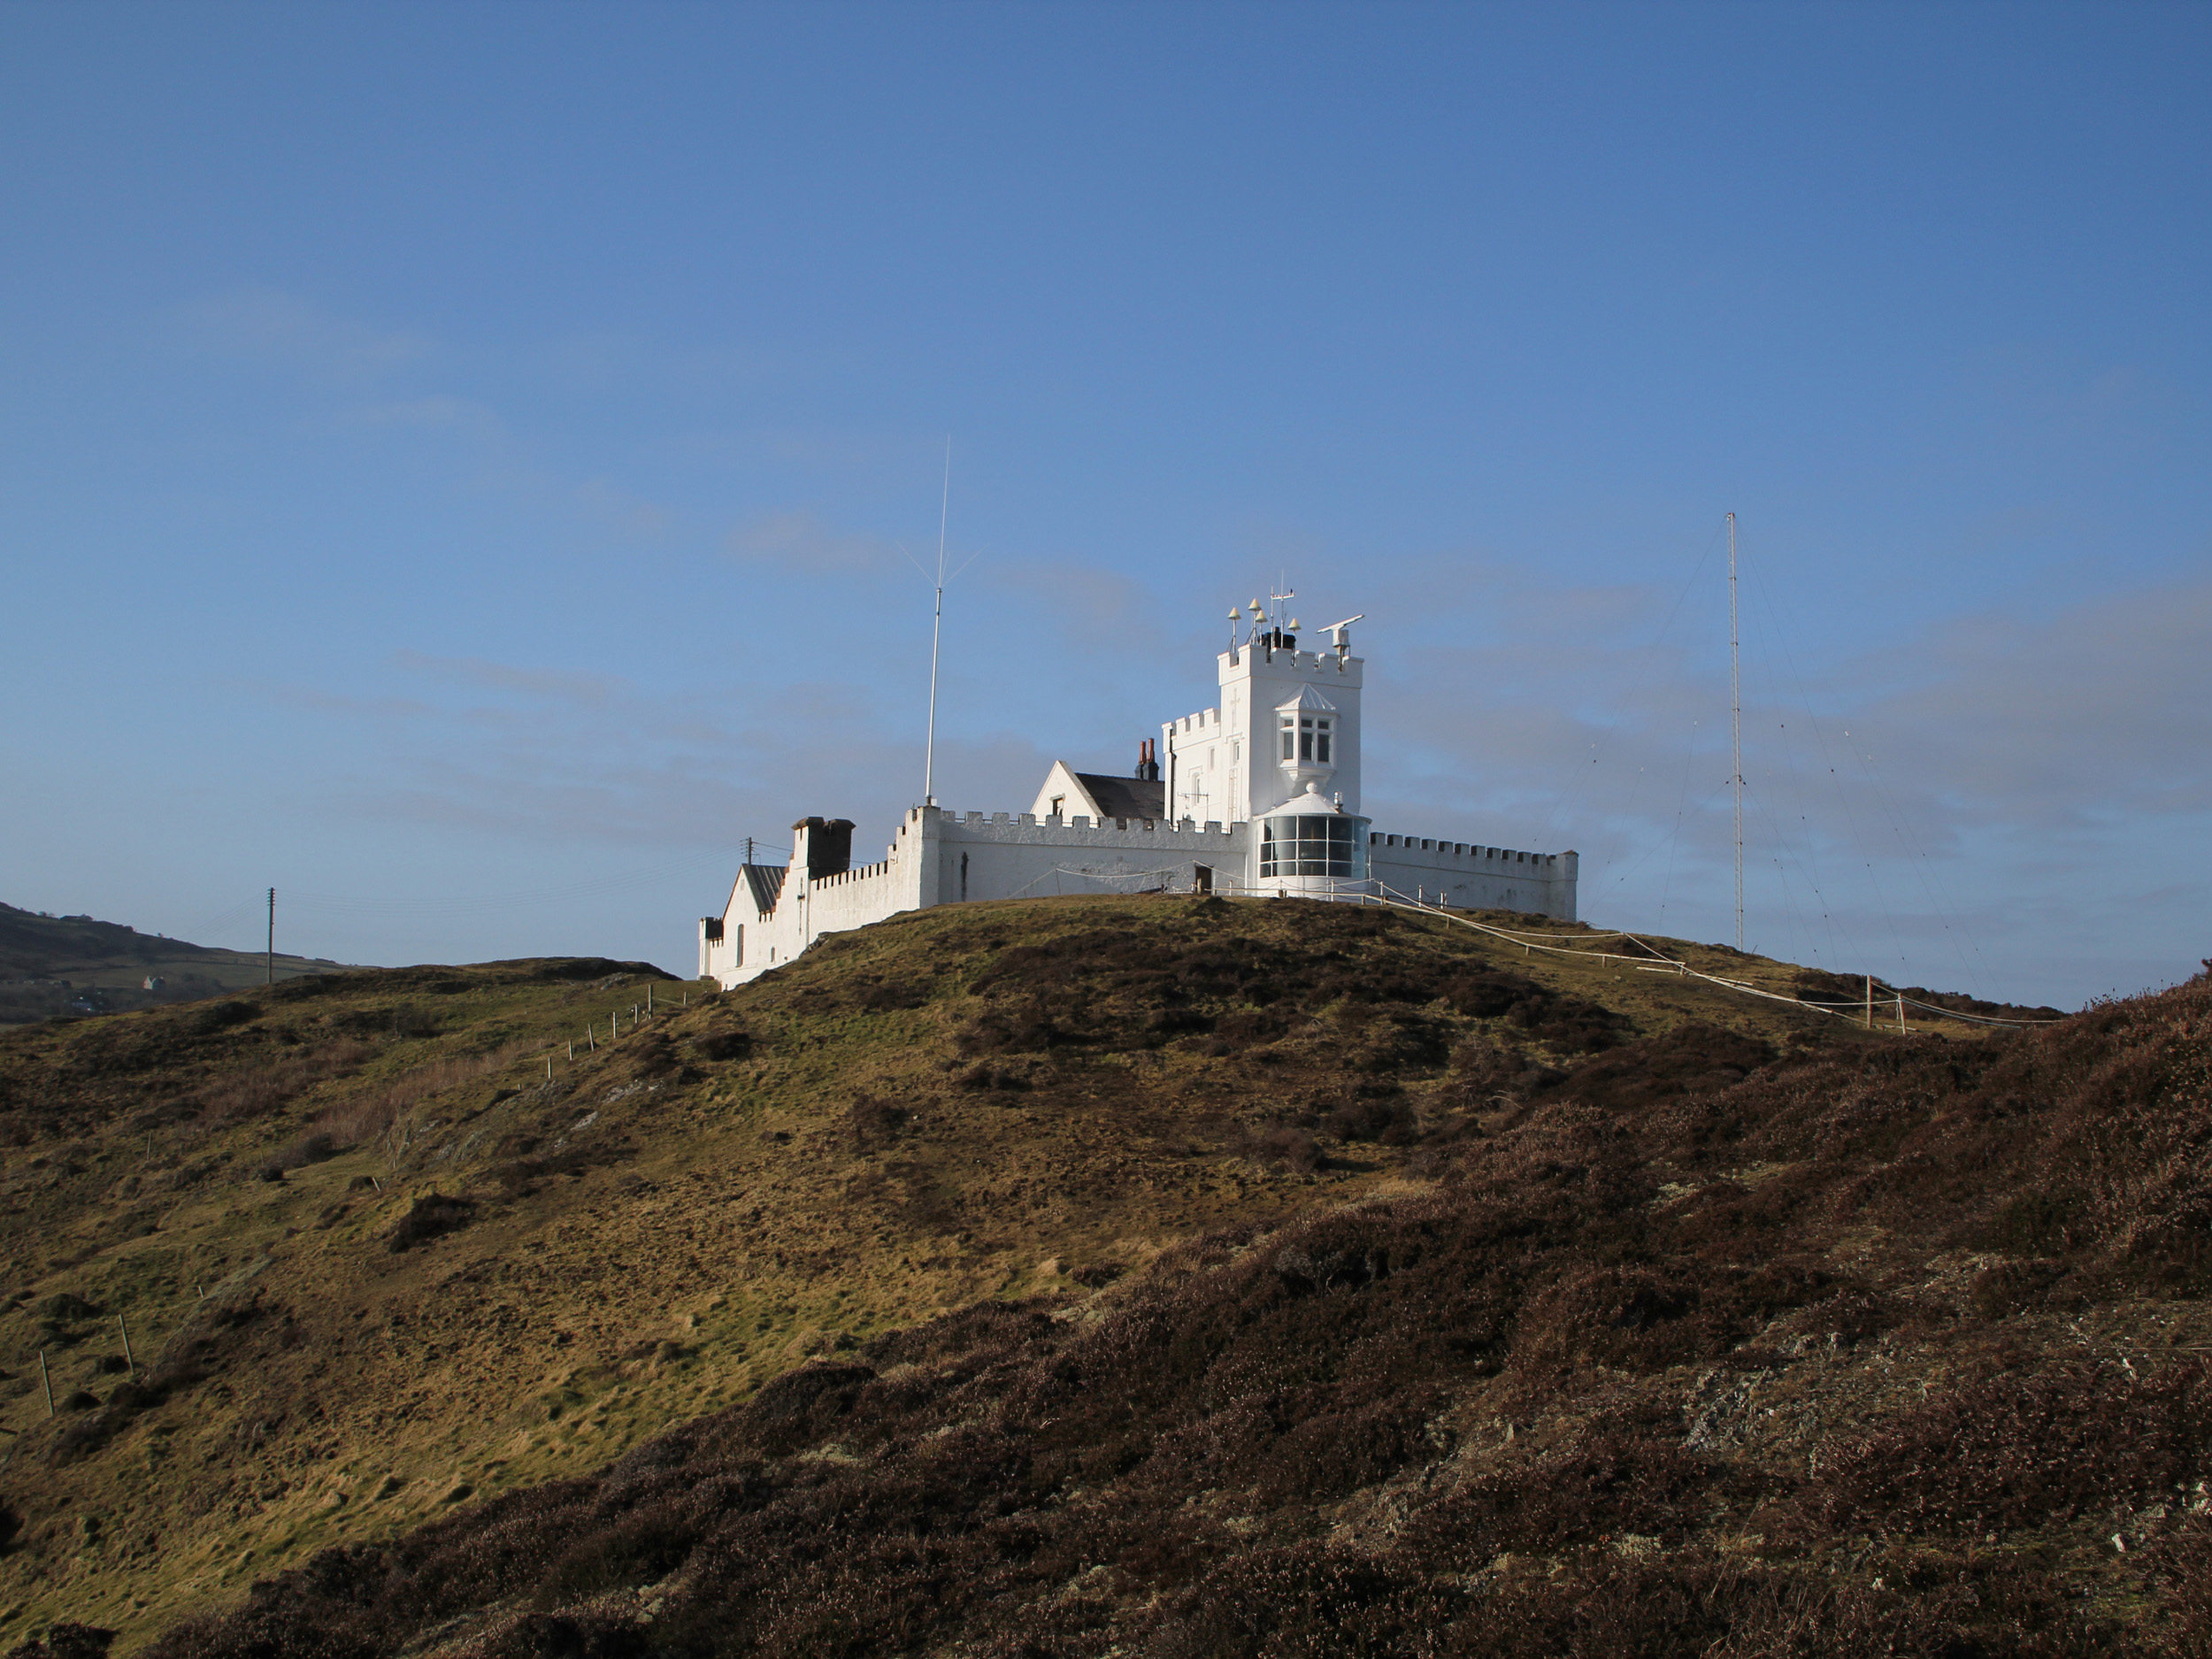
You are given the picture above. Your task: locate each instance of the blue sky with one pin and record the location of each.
(459, 464)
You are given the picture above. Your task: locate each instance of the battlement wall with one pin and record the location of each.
(1470, 875)
(1018, 854)
(1456, 853)
(1076, 830)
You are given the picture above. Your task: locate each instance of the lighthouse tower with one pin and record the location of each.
(1281, 750)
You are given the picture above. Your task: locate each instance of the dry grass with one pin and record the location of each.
(1579, 1249)
(250, 1093)
(1598, 1391)
(376, 1115)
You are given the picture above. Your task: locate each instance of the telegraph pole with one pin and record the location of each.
(272, 935)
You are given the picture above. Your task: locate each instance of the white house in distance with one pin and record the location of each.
(1257, 796)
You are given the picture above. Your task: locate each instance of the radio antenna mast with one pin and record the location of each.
(936, 631)
(1735, 723)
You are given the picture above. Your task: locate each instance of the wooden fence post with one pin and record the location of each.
(129, 1363)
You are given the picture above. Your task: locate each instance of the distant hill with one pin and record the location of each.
(53, 965)
(1154, 1276)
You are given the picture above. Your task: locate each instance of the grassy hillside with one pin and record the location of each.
(72, 965)
(1078, 1275)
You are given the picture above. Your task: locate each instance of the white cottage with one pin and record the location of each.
(1258, 795)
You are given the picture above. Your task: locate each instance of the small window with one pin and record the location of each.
(1321, 742)
(1290, 737)
(1058, 801)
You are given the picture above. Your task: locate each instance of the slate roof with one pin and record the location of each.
(766, 883)
(1126, 797)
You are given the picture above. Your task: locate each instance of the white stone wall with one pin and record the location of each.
(1195, 763)
(1470, 877)
(944, 858)
(1014, 856)
(865, 894)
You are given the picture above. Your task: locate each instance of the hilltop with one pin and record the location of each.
(72, 964)
(1069, 1275)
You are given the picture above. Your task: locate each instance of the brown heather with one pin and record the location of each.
(1403, 1297)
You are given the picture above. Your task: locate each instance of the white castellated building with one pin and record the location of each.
(1257, 796)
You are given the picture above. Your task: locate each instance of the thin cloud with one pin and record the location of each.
(2105, 710)
(270, 327)
(565, 684)
(798, 541)
(437, 414)
(1079, 594)
(619, 513)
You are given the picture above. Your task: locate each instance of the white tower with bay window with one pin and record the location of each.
(1282, 744)
(1288, 723)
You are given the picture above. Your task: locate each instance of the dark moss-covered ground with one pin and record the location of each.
(1166, 1279)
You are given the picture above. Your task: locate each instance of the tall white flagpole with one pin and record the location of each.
(936, 632)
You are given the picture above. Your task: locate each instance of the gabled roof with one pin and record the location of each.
(1099, 796)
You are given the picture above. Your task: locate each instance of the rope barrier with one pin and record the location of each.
(1978, 1019)
(1392, 896)
(1165, 875)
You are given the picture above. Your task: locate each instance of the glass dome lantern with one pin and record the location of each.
(1310, 849)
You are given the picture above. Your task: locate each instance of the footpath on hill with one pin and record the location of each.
(1151, 1276)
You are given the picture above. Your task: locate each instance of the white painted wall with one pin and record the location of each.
(1469, 877)
(1194, 765)
(943, 857)
(1025, 857)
